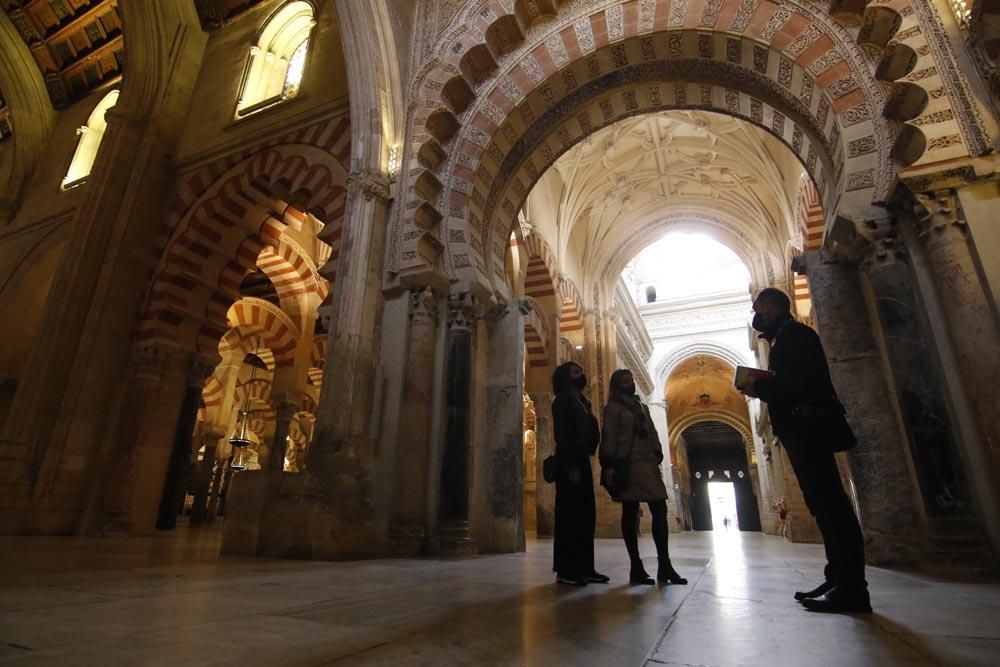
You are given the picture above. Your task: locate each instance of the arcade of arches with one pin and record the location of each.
(304, 269)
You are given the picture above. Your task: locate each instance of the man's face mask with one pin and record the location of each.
(760, 322)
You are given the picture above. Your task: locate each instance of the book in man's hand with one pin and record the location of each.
(744, 374)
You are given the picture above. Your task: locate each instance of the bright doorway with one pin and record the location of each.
(722, 499)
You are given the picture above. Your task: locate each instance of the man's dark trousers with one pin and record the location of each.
(819, 479)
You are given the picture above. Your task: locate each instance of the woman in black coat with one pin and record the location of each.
(577, 436)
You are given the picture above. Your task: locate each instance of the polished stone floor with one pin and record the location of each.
(171, 601)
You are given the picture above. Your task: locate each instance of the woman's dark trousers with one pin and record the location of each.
(576, 514)
(630, 528)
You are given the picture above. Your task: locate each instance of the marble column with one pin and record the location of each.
(545, 493)
(502, 464)
(285, 409)
(180, 452)
(408, 529)
(918, 382)
(203, 481)
(879, 464)
(453, 527)
(972, 323)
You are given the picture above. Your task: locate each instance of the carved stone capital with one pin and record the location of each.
(525, 305)
(424, 306)
(370, 185)
(199, 370)
(880, 245)
(463, 311)
(939, 213)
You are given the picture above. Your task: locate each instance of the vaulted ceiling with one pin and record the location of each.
(607, 192)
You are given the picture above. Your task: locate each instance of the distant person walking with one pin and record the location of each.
(577, 435)
(630, 460)
(725, 522)
(802, 380)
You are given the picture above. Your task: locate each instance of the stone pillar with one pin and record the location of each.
(203, 480)
(285, 408)
(918, 383)
(967, 308)
(180, 452)
(545, 493)
(501, 462)
(76, 362)
(408, 530)
(453, 527)
(123, 467)
(879, 464)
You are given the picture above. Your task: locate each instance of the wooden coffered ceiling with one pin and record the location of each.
(77, 43)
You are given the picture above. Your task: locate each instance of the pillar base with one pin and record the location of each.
(454, 541)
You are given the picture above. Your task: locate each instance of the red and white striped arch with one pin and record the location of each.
(221, 237)
(276, 329)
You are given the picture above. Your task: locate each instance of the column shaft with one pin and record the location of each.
(453, 538)
(881, 472)
(408, 530)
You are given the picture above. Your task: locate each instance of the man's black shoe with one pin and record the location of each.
(822, 589)
(597, 578)
(841, 601)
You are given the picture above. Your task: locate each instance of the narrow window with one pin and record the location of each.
(277, 61)
(91, 135)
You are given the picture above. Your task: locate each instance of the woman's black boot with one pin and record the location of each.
(638, 574)
(666, 574)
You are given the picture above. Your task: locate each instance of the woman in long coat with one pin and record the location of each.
(577, 436)
(630, 449)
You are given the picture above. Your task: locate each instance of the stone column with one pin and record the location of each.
(180, 452)
(408, 530)
(879, 463)
(502, 464)
(967, 308)
(203, 478)
(545, 493)
(453, 528)
(285, 409)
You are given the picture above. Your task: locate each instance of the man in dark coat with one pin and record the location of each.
(801, 375)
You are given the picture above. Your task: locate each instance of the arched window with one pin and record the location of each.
(91, 135)
(277, 60)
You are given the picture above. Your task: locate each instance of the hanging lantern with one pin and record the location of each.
(240, 439)
(239, 460)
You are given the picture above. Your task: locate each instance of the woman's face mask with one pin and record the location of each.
(580, 381)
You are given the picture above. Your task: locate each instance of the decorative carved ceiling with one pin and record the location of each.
(77, 44)
(608, 190)
(700, 384)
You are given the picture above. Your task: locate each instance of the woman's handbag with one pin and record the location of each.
(620, 473)
(549, 469)
(826, 420)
